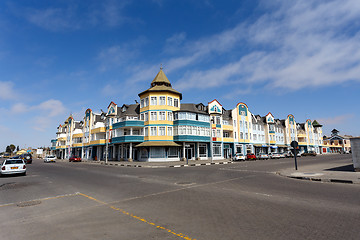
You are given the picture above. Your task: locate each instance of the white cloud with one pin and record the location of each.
(7, 91)
(51, 108)
(335, 120)
(295, 45)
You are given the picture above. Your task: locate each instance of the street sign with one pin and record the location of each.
(295, 150)
(294, 144)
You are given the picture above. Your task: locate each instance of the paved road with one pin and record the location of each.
(244, 200)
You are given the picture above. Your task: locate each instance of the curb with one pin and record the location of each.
(325, 180)
(160, 166)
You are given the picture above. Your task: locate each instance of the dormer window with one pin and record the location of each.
(123, 109)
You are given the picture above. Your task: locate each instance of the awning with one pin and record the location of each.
(260, 145)
(283, 146)
(158, 144)
(274, 146)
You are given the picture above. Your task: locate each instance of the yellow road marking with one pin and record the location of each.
(41, 199)
(139, 218)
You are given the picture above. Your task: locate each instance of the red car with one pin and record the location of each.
(75, 159)
(250, 156)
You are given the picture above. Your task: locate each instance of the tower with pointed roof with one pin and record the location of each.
(156, 110)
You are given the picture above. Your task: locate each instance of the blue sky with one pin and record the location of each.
(62, 57)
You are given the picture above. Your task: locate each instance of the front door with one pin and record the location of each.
(189, 151)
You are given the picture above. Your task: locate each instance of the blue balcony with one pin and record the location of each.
(128, 138)
(129, 123)
(191, 123)
(191, 138)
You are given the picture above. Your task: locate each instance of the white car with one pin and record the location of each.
(239, 157)
(274, 155)
(13, 166)
(50, 158)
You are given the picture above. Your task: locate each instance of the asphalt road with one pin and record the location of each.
(244, 200)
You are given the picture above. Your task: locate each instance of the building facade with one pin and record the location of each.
(161, 128)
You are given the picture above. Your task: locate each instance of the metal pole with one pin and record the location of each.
(106, 141)
(295, 153)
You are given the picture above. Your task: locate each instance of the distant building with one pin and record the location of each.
(336, 143)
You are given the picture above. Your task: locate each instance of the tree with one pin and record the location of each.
(17, 148)
(8, 150)
(12, 147)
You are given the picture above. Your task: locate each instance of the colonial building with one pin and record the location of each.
(336, 143)
(161, 128)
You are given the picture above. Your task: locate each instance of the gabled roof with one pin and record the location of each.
(316, 124)
(191, 107)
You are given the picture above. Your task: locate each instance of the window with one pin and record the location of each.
(162, 116)
(146, 116)
(226, 134)
(157, 152)
(213, 133)
(254, 126)
(162, 100)
(241, 124)
(246, 136)
(176, 102)
(234, 123)
(250, 136)
(218, 133)
(203, 118)
(142, 103)
(255, 137)
(202, 150)
(144, 153)
(153, 116)
(170, 116)
(217, 120)
(146, 131)
(153, 131)
(170, 101)
(142, 117)
(241, 135)
(153, 101)
(161, 131)
(173, 152)
(188, 130)
(246, 126)
(146, 102)
(217, 149)
(169, 131)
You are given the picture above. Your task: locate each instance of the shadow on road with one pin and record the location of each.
(345, 168)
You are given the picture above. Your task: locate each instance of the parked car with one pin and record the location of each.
(50, 158)
(263, 156)
(310, 153)
(274, 155)
(282, 155)
(75, 159)
(13, 166)
(239, 157)
(26, 157)
(250, 156)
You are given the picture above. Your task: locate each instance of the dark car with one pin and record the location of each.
(75, 159)
(250, 156)
(26, 157)
(310, 153)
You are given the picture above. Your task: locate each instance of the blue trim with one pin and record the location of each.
(191, 123)
(157, 110)
(155, 125)
(218, 125)
(191, 138)
(129, 123)
(127, 138)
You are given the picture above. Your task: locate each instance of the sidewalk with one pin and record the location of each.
(329, 172)
(191, 163)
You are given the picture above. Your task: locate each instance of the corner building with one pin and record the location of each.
(161, 128)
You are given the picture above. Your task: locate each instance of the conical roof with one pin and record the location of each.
(161, 84)
(161, 79)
